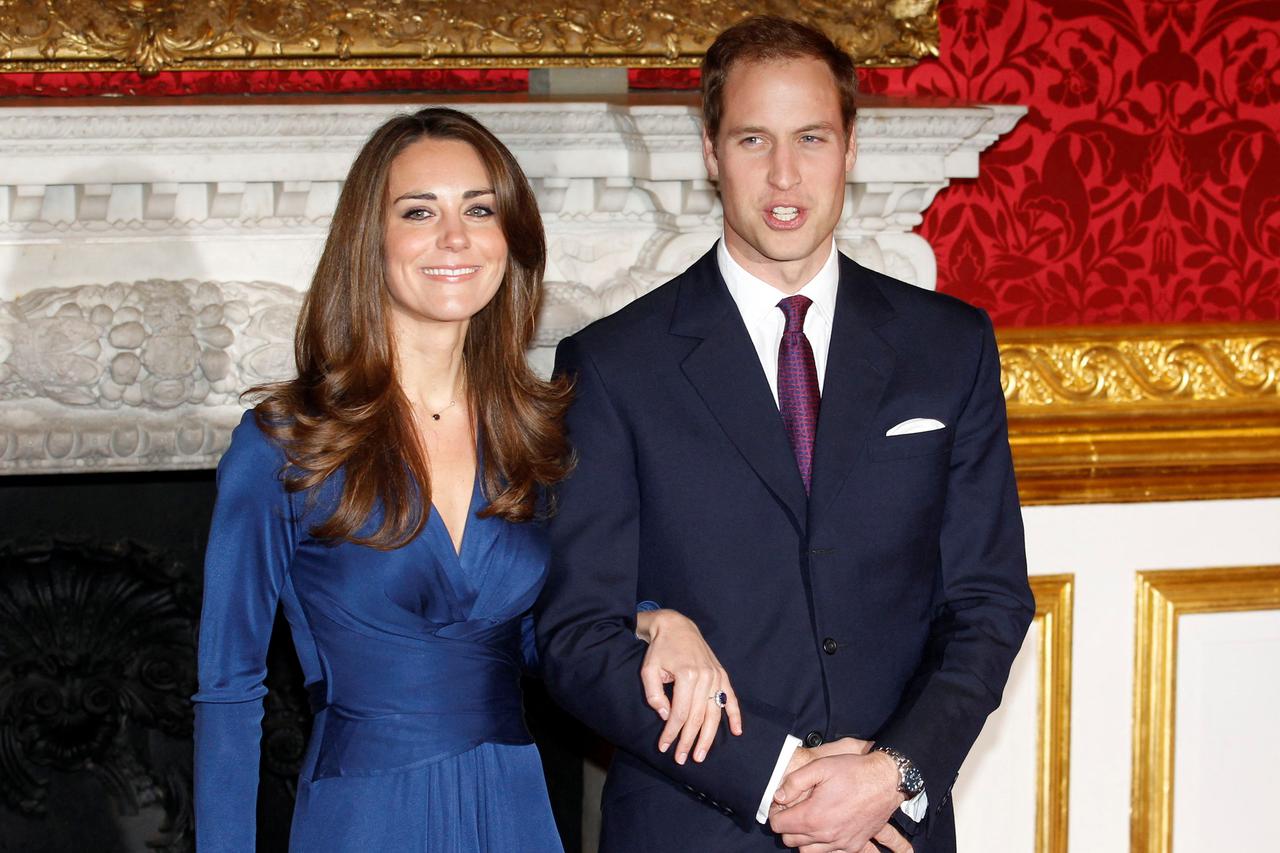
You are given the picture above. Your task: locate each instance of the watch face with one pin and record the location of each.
(912, 781)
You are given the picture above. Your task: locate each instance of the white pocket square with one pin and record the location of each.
(915, 425)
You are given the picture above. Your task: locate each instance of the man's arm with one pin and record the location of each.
(586, 614)
(977, 628)
(986, 603)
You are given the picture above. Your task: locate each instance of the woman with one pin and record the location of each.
(386, 500)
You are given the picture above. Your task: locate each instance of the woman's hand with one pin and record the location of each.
(678, 653)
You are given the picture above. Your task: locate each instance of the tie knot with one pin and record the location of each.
(794, 308)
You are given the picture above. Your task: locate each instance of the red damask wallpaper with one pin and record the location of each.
(1144, 183)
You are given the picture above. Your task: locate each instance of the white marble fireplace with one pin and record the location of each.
(152, 257)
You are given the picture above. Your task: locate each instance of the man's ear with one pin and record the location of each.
(709, 157)
(851, 151)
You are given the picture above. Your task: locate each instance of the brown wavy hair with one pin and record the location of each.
(346, 411)
(769, 38)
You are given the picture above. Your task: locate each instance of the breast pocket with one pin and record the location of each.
(906, 446)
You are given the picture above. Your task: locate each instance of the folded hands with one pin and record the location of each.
(835, 797)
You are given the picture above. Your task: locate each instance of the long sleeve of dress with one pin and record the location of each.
(251, 545)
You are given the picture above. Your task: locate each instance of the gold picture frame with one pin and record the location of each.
(1054, 604)
(153, 35)
(1143, 413)
(1163, 596)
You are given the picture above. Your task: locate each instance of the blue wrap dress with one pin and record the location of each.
(412, 658)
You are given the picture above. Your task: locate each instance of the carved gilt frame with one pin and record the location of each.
(1142, 413)
(125, 35)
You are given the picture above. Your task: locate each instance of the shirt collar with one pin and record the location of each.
(757, 298)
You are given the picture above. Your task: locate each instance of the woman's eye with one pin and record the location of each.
(416, 213)
(480, 211)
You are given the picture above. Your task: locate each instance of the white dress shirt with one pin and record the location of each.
(757, 302)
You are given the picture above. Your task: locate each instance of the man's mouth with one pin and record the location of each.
(785, 217)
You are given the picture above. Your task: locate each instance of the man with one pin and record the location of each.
(810, 460)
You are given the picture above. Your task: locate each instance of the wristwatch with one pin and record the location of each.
(910, 782)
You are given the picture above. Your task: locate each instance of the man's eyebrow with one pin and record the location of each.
(430, 196)
(761, 131)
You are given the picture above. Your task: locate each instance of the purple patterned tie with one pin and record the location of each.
(798, 396)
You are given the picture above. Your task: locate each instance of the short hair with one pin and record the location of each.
(767, 38)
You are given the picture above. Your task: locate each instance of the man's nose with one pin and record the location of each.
(784, 172)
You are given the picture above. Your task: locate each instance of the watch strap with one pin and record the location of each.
(910, 782)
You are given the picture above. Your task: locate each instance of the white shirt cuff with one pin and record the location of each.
(779, 768)
(916, 807)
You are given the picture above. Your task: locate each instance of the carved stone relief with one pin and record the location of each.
(98, 652)
(152, 344)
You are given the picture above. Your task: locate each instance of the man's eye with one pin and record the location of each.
(810, 138)
(752, 140)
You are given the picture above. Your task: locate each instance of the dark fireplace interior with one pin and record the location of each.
(99, 608)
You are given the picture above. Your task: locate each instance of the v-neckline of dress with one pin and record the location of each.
(466, 522)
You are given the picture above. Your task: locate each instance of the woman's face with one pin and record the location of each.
(444, 249)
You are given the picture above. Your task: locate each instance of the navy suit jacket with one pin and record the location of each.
(887, 605)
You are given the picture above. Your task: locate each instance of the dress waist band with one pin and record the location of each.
(387, 710)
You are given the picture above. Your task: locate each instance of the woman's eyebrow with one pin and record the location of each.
(430, 196)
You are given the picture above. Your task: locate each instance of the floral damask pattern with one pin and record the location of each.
(1143, 185)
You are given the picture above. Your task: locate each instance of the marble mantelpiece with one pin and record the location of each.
(152, 257)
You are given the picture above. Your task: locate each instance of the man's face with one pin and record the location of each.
(781, 160)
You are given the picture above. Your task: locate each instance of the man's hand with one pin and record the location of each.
(802, 756)
(838, 801)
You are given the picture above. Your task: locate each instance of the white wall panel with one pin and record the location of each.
(1103, 546)
(995, 795)
(1226, 742)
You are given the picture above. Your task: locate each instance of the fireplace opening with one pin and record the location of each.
(100, 579)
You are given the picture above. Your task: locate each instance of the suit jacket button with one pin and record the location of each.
(829, 646)
(813, 739)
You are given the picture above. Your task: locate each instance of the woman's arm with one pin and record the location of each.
(251, 544)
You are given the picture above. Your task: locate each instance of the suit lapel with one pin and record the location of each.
(725, 371)
(859, 364)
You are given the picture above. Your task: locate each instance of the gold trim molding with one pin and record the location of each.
(1054, 599)
(1142, 413)
(1163, 596)
(153, 35)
